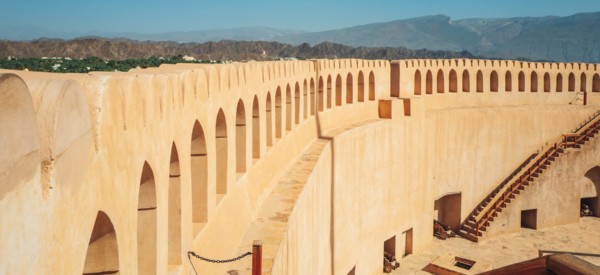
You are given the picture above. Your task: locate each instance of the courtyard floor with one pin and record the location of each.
(504, 250)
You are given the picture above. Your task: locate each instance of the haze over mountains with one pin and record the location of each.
(574, 38)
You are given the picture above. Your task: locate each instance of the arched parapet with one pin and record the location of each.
(20, 157)
(65, 131)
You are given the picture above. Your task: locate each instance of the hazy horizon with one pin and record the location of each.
(155, 16)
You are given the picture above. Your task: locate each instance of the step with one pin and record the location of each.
(472, 231)
(467, 236)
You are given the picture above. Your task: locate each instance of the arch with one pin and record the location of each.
(596, 83)
(338, 90)
(559, 83)
(479, 84)
(590, 190)
(440, 81)
(428, 83)
(240, 138)
(269, 120)
(494, 81)
(521, 81)
(417, 83)
(278, 111)
(534, 82)
(329, 92)
(507, 81)
(453, 81)
(221, 145)
(255, 128)
(582, 86)
(199, 171)
(305, 100)
(102, 255)
(371, 86)
(146, 222)
(466, 82)
(546, 82)
(297, 104)
(174, 234)
(571, 82)
(312, 97)
(361, 87)
(349, 95)
(321, 96)
(288, 108)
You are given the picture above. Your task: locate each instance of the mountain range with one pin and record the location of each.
(574, 38)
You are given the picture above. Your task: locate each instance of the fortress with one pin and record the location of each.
(327, 162)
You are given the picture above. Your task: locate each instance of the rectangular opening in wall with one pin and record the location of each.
(463, 263)
(395, 77)
(389, 255)
(447, 210)
(529, 218)
(408, 243)
(589, 207)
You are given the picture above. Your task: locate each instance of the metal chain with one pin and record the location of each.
(192, 253)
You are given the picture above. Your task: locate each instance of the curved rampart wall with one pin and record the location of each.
(150, 164)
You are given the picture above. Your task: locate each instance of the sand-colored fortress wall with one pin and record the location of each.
(322, 160)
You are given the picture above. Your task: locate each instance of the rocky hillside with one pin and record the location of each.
(119, 49)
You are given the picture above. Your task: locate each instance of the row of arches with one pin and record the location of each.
(498, 64)
(283, 110)
(493, 83)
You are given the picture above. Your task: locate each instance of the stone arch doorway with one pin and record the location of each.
(590, 189)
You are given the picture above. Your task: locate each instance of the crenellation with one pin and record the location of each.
(201, 147)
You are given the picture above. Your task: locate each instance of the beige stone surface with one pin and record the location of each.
(499, 251)
(129, 171)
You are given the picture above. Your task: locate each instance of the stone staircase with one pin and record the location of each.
(480, 218)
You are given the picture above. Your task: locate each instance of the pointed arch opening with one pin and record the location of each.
(559, 83)
(199, 172)
(571, 82)
(288, 108)
(321, 96)
(240, 138)
(102, 255)
(269, 120)
(221, 144)
(305, 101)
(494, 81)
(534, 82)
(583, 86)
(521, 81)
(596, 84)
(371, 86)
(174, 234)
(278, 113)
(349, 93)
(312, 97)
(146, 222)
(453, 81)
(329, 92)
(255, 128)
(428, 83)
(466, 82)
(338, 90)
(440, 82)
(417, 84)
(508, 81)
(479, 83)
(546, 82)
(297, 100)
(361, 87)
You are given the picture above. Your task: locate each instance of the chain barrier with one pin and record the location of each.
(192, 253)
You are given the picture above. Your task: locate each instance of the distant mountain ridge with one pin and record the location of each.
(223, 50)
(574, 38)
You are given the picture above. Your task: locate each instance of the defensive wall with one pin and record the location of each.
(327, 162)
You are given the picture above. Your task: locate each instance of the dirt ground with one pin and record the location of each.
(504, 250)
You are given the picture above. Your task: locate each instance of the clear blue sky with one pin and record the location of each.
(153, 16)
